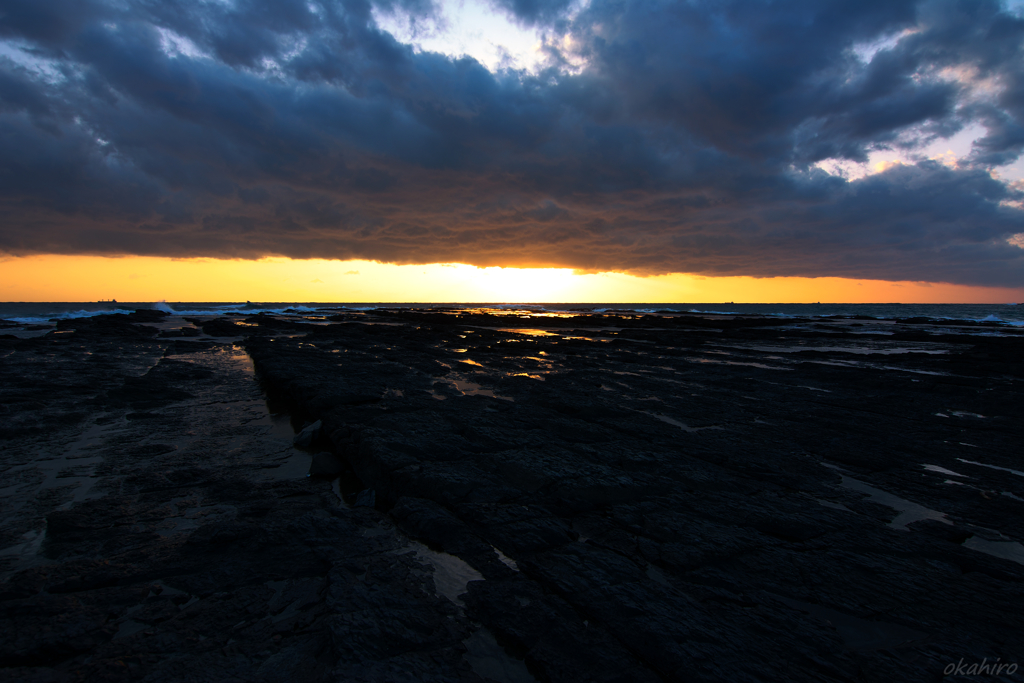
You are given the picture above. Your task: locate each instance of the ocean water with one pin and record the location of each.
(1009, 314)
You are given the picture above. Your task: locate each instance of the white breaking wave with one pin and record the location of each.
(995, 319)
(246, 308)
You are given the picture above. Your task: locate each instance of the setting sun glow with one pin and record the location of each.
(135, 278)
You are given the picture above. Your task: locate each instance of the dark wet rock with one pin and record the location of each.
(220, 327)
(268, 323)
(181, 561)
(326, 464)
(933, 528)
(131, 326)
(649, 527)
(367, 498)
(661, 498)
(183, 332)
(147, 315)
(308, 435)
(557, 644)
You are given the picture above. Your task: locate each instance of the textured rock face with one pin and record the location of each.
(620, 499)
(683, 491)
(159, 525)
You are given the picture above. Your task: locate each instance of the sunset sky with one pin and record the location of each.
(511, 150)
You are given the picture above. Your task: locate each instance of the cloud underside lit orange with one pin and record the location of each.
(140, 279)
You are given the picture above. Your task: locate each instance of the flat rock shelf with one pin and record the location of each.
(502, 497)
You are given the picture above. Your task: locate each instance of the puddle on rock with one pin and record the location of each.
(676, 423)
(993, 467)
(506, 560)
(528, 331)
(527, 375)
(912, 512)
(1008, 550)
(942, 470)
(468, 388)
(285, 461)
(451, 574)
(909, 512)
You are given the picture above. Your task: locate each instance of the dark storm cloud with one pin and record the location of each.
(661, 137)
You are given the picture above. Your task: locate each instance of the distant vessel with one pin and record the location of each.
(107, 301)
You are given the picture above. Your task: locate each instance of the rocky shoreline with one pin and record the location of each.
(504, 497)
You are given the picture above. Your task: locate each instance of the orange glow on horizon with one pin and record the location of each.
(144, 278)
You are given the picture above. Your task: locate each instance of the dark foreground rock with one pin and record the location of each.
(683, 492)
(622, 498)
(158, 525)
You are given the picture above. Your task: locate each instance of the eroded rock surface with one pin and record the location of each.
(681, 490)
(158, 525)
(601, 498)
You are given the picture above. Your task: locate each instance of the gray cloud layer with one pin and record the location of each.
(669, 137)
